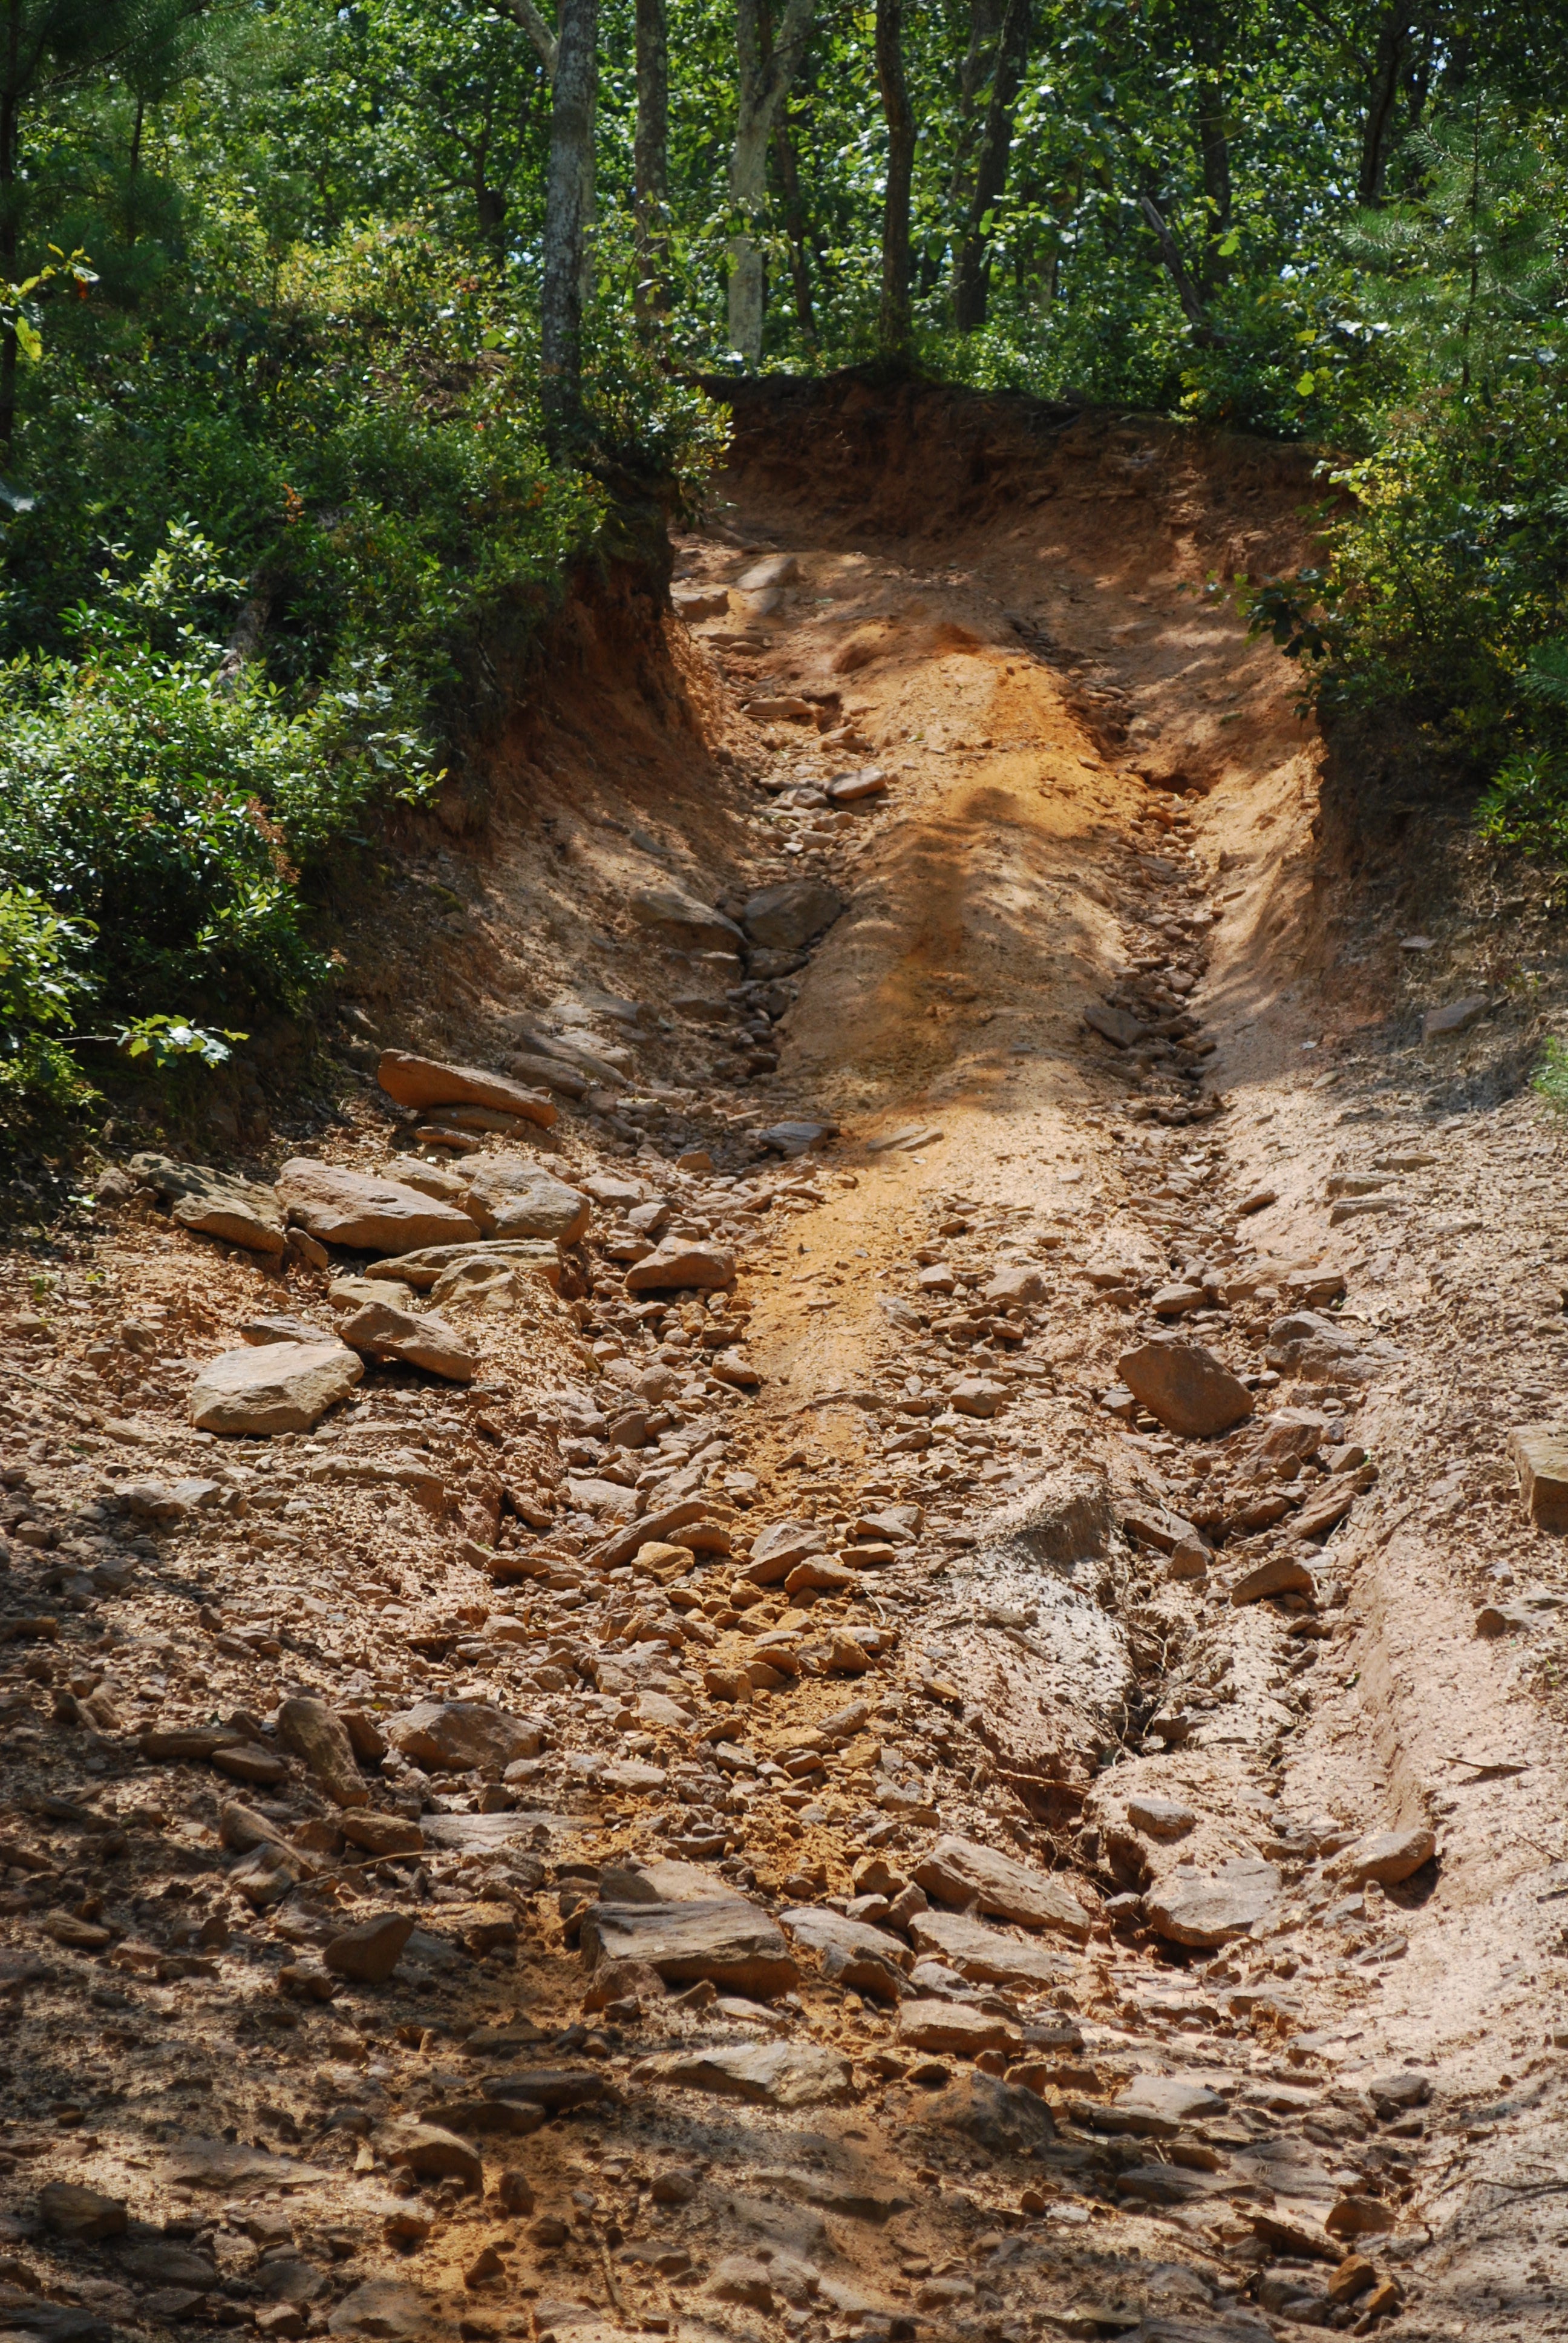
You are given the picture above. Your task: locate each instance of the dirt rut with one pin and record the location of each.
(1106, 1879)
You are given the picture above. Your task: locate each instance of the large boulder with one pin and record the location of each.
(414, 1339)
(459, 1735)
(1185, 1387)
(426, 1081)
(511, 1196)
(371, 1215)
(788, 916)
(284, 1387)
(215, 1203)
(960, 1872)
(695, 925)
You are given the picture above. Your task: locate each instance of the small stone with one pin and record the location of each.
(1354, 2215)
(1257, 1200)
(852, 1953)
(414, 1339)
(515, 2193)
(1354, 2275)
(369, 1952)
(285, 1387)
(84, 2214)
(1185, 1387)
(318, 1735)
(1175, 1301)
(1391, 1856)
(822, 1576)
(382, 2308)
(1118, 1026)
(425, 1082)
(1021, 1281)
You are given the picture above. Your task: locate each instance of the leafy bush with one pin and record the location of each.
(42, 980)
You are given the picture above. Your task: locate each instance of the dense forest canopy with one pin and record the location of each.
(332, 336)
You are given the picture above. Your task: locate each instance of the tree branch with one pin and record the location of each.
(527, 17)
(1187, 293)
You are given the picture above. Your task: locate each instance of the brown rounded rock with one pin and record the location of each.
(1185, 1387)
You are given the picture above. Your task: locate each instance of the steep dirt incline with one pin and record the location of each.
(952, 1725)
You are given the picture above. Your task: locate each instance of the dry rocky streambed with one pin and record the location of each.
(844, 1620)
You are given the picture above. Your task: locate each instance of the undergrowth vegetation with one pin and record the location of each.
(332, 337)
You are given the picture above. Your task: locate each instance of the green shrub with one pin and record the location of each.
(42, 980)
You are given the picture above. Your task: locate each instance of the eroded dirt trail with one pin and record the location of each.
(951, 1728)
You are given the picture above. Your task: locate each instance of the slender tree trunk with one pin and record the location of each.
(568, 203)
(975, 72)
(795, 228)
(894, 324)
(763, 85)
(10, 110)
(1214, 145)
(972, 275)
(1187, 291)
(650, 155)
(1383, 95)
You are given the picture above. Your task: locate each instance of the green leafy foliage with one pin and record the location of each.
(43, 978)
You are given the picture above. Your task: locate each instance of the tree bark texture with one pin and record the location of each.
(764, 78)
(972, 275)
(1383, 96)
(894, 324)
(568, 207)
(650, 153)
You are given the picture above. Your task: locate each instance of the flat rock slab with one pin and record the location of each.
(1541, 1458)
(764, 2074)
(1161, 2104)
(1160, 1818)
(683, 917)
(428, 1082)
(224, 2164)
(680, 1261)
(1455, 1016)
(984, 1956)
(954, 2028)
(431, 1265)
(866, 1959)
(414, 1339)
(721, 1938)
(283, 1387)
(459, 1735)
(959, 1871)
(1278, 1574)
(511, 1196)
(383, 2307)
(1116, 1025)
(216, 1203)
(1190, 1908)
(1185, 1387)
(788, 916)
(369, 1215)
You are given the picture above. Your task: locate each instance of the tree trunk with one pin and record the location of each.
(1209, 41)
(568, 202)
(894, 324)
(650, 155)
(1383, 95)
(763, 85)
(10, 112)
(795, 228)
(972, 275)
